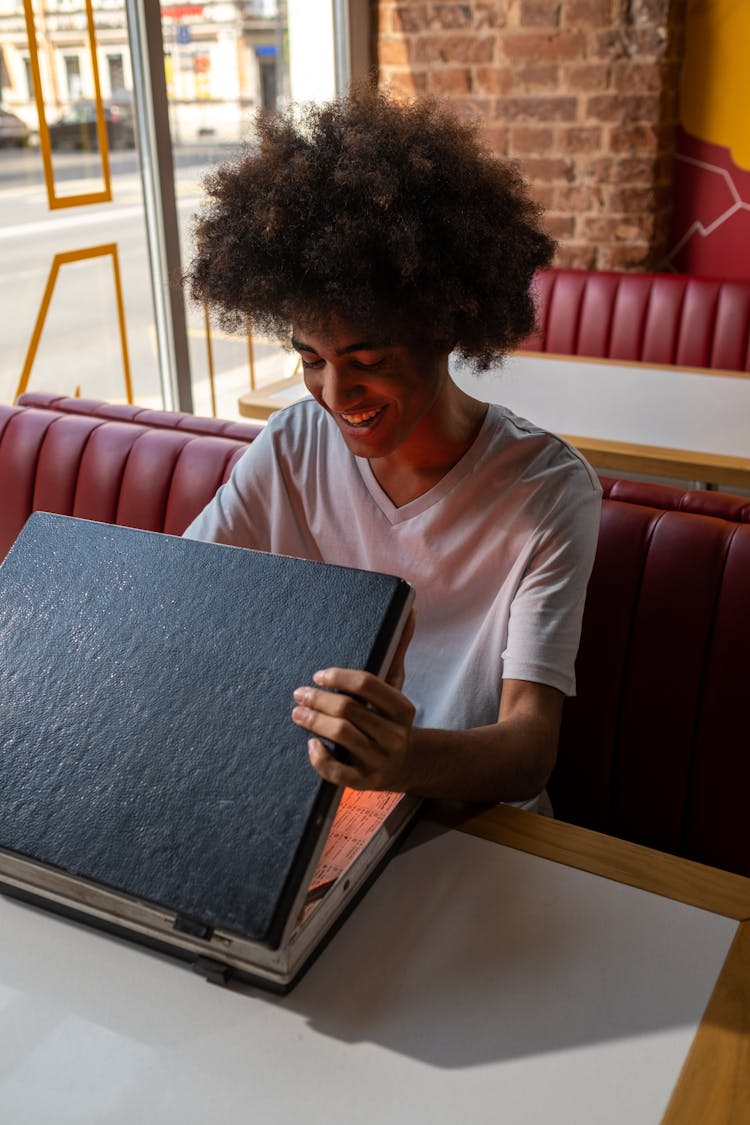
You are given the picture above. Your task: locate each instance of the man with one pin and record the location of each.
(381, 237)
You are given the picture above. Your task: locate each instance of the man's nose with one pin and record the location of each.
(338, 389)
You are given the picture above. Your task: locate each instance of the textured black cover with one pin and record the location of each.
(145, 695)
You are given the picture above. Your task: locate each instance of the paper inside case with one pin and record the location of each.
(358, 817)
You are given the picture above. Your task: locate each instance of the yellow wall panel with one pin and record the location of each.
(715, 92)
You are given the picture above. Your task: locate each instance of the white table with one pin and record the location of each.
(678, 407)
(473, 978)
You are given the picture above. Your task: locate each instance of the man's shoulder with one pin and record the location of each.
(304, 412)
(534, 449)
(297, 440)
(291, 426)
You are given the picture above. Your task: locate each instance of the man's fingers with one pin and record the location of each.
(360, 687)
(365, 716)
(330, 769)
(363, 739)
(360, 727)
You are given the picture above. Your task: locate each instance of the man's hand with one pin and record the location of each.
(509, 760)
(369, 718)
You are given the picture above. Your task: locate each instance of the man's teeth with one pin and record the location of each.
(362, 417)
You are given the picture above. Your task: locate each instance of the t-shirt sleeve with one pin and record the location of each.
(239, 515)
(544, 627)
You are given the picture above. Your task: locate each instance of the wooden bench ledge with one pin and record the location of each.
(655, 460)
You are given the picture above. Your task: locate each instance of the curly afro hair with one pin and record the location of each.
(376, 214)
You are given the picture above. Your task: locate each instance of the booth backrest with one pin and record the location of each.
(124, 412)
(655, 747)
(156, 477)
(649, 317)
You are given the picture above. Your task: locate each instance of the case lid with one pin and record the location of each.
(146, 685)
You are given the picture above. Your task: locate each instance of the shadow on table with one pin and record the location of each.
(465, 953)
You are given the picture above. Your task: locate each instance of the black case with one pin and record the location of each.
(146, 688)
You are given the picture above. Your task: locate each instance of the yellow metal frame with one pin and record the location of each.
(210, 356)
(108, 250)
(58, 201)
(210, 359)
(250, 353)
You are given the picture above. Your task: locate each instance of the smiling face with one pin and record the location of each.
(381, 395)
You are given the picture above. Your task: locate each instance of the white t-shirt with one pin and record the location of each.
(499, 551)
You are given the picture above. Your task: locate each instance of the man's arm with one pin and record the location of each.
(509, 760)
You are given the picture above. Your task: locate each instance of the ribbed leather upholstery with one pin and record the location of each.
(655, 748)
(653, 318)
(153, 477)
(122, 412)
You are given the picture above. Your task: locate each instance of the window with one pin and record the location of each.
(116, 73)
(73, 76)
(28, 77)
(75, 279)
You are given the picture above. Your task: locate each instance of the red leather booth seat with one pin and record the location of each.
(156, 477)
(655, 748)
(122, 412)
(654, 318)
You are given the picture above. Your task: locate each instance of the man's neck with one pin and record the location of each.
(431, 451)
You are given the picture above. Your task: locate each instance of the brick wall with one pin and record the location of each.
(581, 93)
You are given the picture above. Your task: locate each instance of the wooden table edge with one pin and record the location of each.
(713, 1087)
(683, 880)
(261, 402)
(664, 461)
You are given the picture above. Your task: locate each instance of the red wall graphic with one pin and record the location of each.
(711, 217)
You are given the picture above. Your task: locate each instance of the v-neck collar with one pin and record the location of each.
(460, 470)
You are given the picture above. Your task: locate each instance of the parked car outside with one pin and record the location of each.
(13, 131)
(76, 128)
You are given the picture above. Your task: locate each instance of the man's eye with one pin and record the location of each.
(311, 363)
(370, 366)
